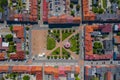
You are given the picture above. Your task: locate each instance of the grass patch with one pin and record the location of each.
(74, 44)
(66, 34)
(56, 52)
(50, 43)
(56, 33)
(65, 53)
(104, 3)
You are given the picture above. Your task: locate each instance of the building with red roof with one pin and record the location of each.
(4, 68)
(45, 11)
(87, 14)
(89, 55)
(39, 76)
(2, 56)
(19, 30)
(19, 46)
(19, 55)
(33, 10)
(109, 76)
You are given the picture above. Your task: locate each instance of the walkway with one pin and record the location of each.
(61, 45)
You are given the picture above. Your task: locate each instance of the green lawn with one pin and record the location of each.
(65, 53)
(104, 3)
(56, 34)
(65, 35)
(74, 44)
(50, 43)
(56, 52)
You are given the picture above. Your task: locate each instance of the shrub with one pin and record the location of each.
(73, 13)
(27, 28)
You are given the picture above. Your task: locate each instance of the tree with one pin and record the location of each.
(27, 28)
(97, 45)
(73, 13)
(78, 7)
(9, 37)
(48, 57)
(101, 10)
(55, 57)
(71, 5)
(26, 77)
(118, 33)
(27, 52)
(11, 43)
(11, 28)
(95, 9)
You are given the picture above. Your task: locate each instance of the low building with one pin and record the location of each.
(108, 45)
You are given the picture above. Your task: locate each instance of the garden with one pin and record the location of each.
(96, 8)
(12, 47)
(73, 11)
(74, 43)
(56, 52)
(54, 37)
(51, 43)
(12, 76)
(66, 33)
(97, 48)
(65, 53)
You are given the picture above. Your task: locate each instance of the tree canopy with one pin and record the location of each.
(26, 77)
(9, 37)
(71, 5)
(78, 7)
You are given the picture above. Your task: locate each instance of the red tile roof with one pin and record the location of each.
(86, 13)
(88, 42)
(33, 10)
(45, 11)
(18, 16)
(4, 68)
(19, 30)
(21, 69)
(35, 69)
(108, 76)
(20, 55)
(18, 46)
(2, 56)
(39, 76)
